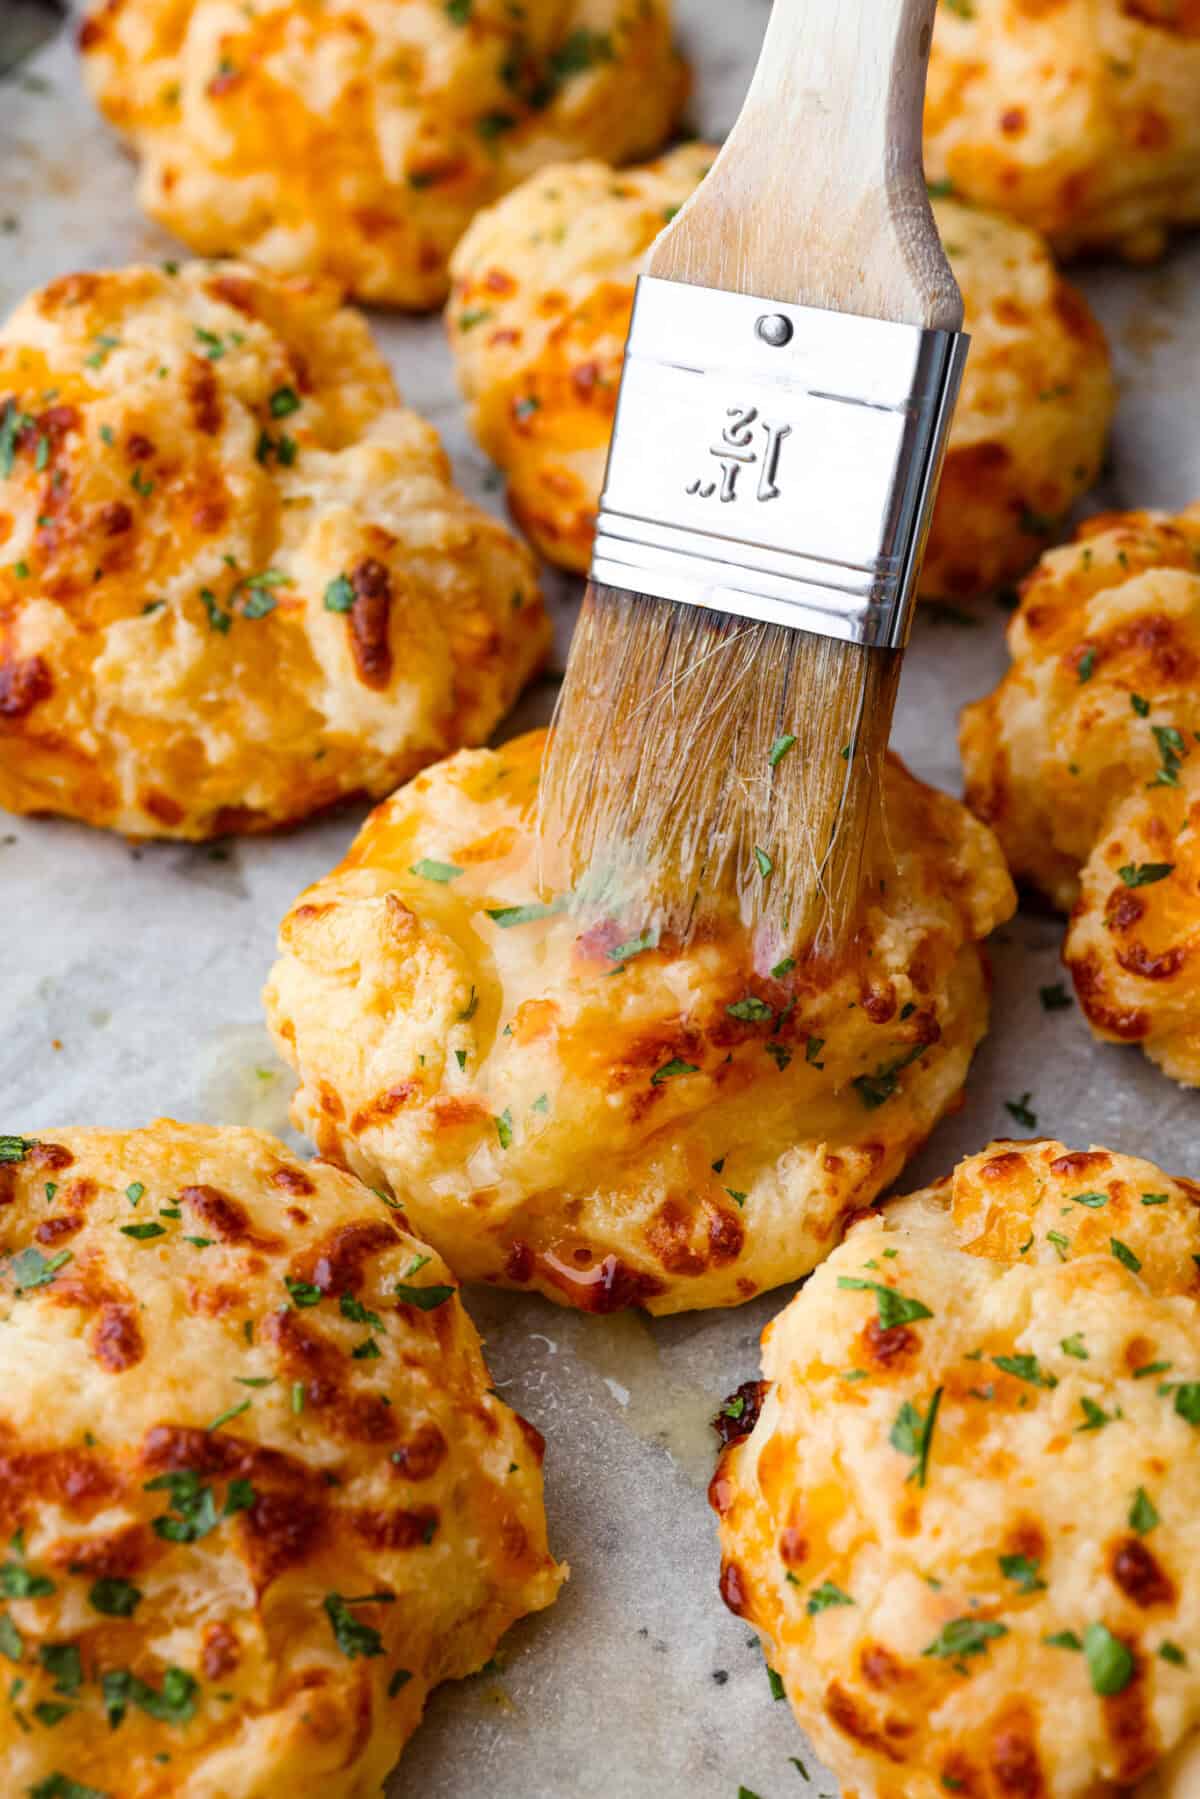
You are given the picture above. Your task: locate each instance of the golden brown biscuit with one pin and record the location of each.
(965, 1521)
(543, 285)
(355, 139)
(260, 1495)
(1084, 761)
(236, 581)
(1081, 117)
(601, 1119)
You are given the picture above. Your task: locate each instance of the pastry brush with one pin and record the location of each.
(790, 373)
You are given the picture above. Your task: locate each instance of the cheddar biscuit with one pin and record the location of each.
(355, 139)
(543, 285)
(1084, 761)
(1080, 117)
(258, 1494)
(964, 1522)
(236, 581)
(593, 1114)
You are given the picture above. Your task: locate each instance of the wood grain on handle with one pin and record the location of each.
(818, 195)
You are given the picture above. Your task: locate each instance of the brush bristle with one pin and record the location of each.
(701, 763)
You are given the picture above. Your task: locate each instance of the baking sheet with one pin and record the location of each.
(129, 988)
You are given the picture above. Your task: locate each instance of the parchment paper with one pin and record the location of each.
(129, 988)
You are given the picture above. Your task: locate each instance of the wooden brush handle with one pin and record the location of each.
(819, 193)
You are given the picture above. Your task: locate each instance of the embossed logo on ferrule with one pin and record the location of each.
(735, 452)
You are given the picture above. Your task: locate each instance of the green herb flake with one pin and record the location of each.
(1141, 706)
(20, 1582)
(1073, 1346)
(965, 1636)
(765, 864)
(1023, 1571)
(1145, 874)
(283, 402)
(912, 1434)
(302, 1293)
(114, 1598)
(15, 1149)
(894, 1308)
(780, 748)
(1125, 1255)
(824, 1597)
(1019, 1110)
(1143, 1514)
(750, 1010)
(142, 1233)
(634, 946)
(1063, 1639)
(508, 916)
(1172, 751)
(1171, 1652)
(1110, 1664)
(671, 1070)
(442, 872)
(226, 1417)
(782, 969)
(504, 1129)
(1094, 1416)
(352, 1636)
(32, 1269)
(339, 595)
(1026, 1368)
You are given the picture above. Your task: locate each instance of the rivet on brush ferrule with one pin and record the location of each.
(777, 462)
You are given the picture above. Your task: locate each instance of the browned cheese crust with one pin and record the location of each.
(966, 1523)
(574, 1108)
(1084, 761)
(257, 1493)
(236, 580)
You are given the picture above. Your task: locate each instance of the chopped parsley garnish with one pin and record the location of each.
(781, 969)
(233, 1411)
(357, 1313)
(823, 1597)
(302, 1293)
(477, 315)
(142, 1233)
(894, 1308)
(765, 864)
(1055, 998)
(1026, 1368)
(1125, 1255)
(1022, 1570)
(11, 1643)
(1145, 874)
(739, 1199)
(134, 1192)
(283, 402)
(113, 1597)
(750, 1010)
(1086, 665)
(912, 1434)
(426, 1299)
(541, 1103)
(812, 1049)
(1074, 1346)
(670, 1070)
(1154, 1199)
(141, 484)
(218, 618)
(1141, 706)
(634, 946)
(339, 595)
(435, 871)
(1187, 1401)
(1063, 1639)
(1172, 750)
(61, 1786)
(780, 748)
(32, 1269)
(15, 1149)
(1143, 1515)
(965, 1636)
(508, 916)
(504, 1129)
(779, 1053)
(470, 1009)
(194, 1511)
(172, 1703)
(874, 1089)
(775, 1683)
(1151, 1368)
(1094, 1416)
(352, 1636)
(63, 1663)
(1109, 1662)
(1171, 1652)
(19, 1582)
(1092, 1200)
(1019, 1110)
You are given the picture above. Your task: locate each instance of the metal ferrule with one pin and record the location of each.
(778, 462)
